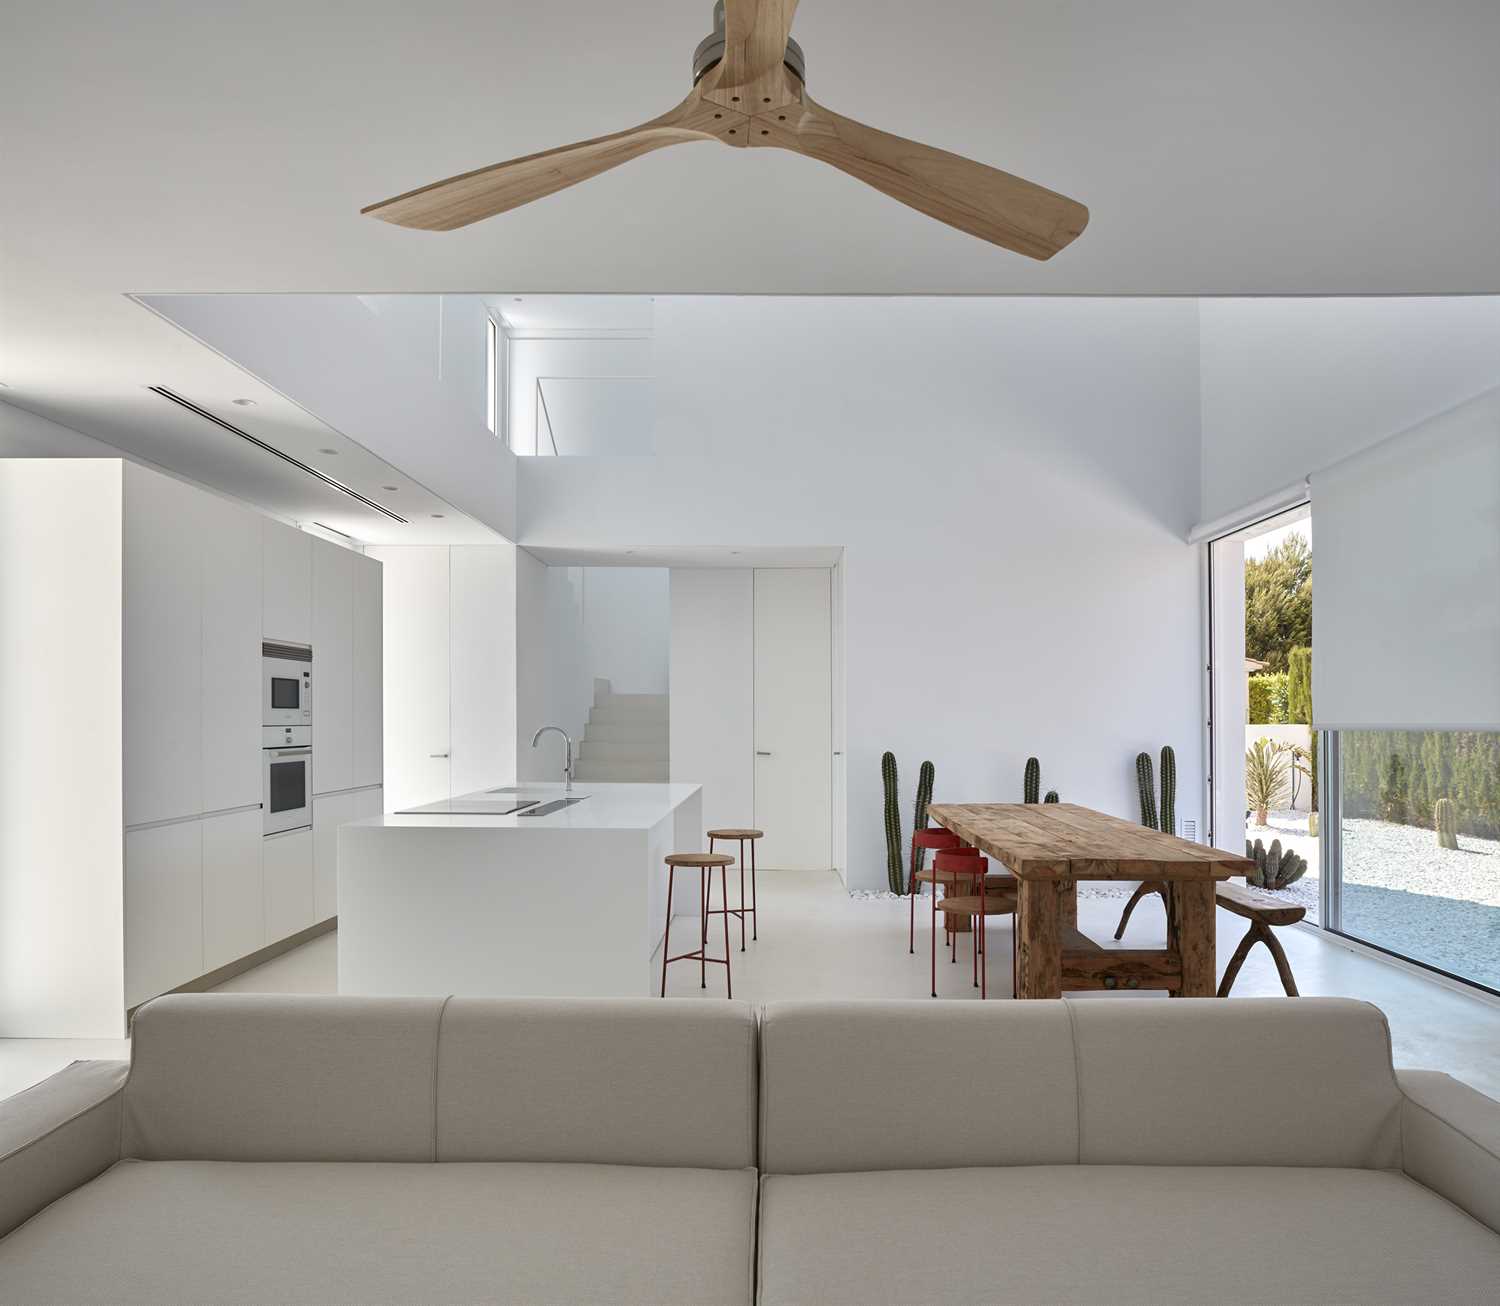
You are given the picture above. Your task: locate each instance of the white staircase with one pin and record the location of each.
(625, 739)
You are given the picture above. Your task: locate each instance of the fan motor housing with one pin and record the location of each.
(710, 51)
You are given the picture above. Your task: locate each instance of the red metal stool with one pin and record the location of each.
(956, 869)
(705, 862)
(940, 840)
(996, 896)
(742, 837)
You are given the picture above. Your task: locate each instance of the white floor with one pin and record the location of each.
(817, 942)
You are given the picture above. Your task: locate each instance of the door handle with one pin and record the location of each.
(437, 754)
(760, 753)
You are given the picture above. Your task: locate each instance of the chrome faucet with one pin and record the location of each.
(568, 759)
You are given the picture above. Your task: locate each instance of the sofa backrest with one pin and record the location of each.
(852, 1086)
(282, 1078)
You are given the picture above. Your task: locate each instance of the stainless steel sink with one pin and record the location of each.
(556, 805)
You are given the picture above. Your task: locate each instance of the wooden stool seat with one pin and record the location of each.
(699, 859)
(1001, 904)
(736, 834)
(1262, 910)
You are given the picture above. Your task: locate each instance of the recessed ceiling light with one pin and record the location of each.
(243, 403)
(389, 489)
(437, 516)
(734, 553)
(332, 453)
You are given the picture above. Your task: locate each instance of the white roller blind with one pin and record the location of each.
(1406, 578)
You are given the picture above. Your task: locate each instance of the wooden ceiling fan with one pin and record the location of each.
(748, 91)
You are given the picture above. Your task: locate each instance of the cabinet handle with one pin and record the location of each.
(437, 754)
(759, 753)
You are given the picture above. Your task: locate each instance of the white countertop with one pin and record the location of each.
(605, 807)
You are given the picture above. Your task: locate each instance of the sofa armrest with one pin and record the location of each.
(57, 1136)
(1450, 1141)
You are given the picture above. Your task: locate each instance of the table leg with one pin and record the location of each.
(1067, 904)
(1038, 948)
(1190, 933)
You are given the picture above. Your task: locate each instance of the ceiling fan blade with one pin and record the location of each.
(472, 196)
(755, 36)
(983, 201)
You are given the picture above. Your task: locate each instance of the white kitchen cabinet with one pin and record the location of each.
(333, 666)
(286, 584)
(368, 671)
(233, 896)
(163, 908)
(163, 647)
(329, 812)
(287, 876)
(230, 553)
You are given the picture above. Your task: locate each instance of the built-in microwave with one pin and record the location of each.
(286, 684)
(286, 778)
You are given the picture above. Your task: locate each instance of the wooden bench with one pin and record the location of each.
(1263, 910)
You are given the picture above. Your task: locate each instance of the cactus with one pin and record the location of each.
(1146, 782)
(893, 857)
(1033, 782)
(1445, 822)
(919, 821)
(1274, 869)
(1052, 797)
(1167, 815)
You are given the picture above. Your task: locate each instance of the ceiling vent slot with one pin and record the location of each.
(271, 449)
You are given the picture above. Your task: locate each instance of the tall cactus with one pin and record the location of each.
(1167, 822)
(1146, 782)
(1052, 797)
(1445, 822)
(919, 821)
(893, 857)
(1033, 781)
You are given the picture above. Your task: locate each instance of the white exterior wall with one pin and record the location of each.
(1011, 481)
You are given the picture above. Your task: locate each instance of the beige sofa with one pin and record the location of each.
(268, 1149)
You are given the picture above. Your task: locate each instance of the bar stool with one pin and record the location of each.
(742, 837)
(705, 862)
(940, 840)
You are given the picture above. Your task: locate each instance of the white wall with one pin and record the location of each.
(552, 359)
(1011, 481)
(712, 712)
(349, 368)
(627, 627)
(1292, 385)
(25, 435)
(61, 648)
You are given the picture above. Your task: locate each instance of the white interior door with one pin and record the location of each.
(415, 616)
(793, 717)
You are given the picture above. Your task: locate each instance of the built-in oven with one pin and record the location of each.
(286, 778)
(286, 684)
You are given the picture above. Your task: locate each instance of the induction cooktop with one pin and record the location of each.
(469, 807)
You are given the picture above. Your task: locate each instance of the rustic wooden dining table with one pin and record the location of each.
(1049, 847)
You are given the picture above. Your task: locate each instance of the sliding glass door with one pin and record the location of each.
(1399, 830)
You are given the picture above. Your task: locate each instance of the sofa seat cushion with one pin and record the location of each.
(1117, 1234)
(332, 1232)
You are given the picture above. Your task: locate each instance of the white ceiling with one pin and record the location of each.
(1281, 146)
(525, 314)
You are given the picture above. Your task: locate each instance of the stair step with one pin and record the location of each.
(623, 772)
(629, 750)
(646, 731)
(630, 700)
(628, 716)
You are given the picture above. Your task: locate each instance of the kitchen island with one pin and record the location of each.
(473, 896)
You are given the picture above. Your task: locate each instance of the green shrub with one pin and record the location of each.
(1463, 765)
(1299, 686)
(1268, 698)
